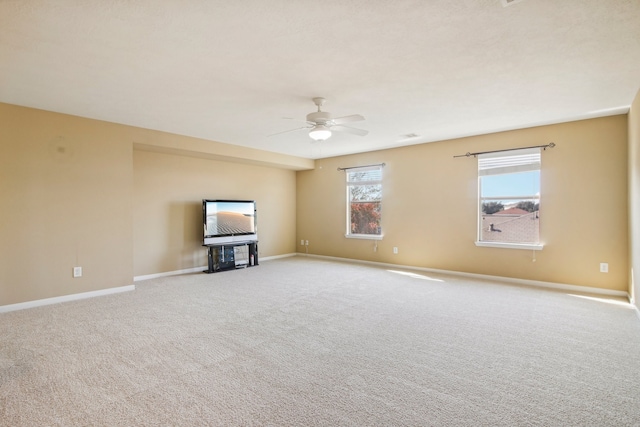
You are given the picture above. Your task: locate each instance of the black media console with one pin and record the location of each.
(230, 256)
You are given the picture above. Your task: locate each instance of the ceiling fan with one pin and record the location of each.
(321, 125)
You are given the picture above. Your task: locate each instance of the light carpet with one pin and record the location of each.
(310, 342)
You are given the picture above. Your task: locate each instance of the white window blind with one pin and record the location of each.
(364, 175)
(509, 162)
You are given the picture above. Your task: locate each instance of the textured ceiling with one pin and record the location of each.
(236, 72)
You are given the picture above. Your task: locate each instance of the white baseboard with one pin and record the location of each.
(64, 298)
(198, 269)
(536, 283)
(269, 258)
(525, 282)
(170, 273)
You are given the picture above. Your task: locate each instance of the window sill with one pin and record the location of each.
(364, 236)
(526, 246)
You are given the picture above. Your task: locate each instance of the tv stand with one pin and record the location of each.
(229, 256)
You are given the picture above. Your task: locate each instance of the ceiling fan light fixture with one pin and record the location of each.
(320, 133)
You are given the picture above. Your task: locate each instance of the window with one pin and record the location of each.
(509, 202)
(364, 202)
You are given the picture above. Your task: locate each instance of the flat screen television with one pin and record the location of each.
(229, 221)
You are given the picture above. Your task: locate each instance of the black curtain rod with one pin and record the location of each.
(365, 166)
(544, 147)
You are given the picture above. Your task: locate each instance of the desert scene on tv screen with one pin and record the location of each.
(230, 221)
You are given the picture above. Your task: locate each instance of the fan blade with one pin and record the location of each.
(287, 131)
(347, 119)
(349, 129)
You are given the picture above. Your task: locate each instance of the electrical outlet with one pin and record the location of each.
(77, 271)
(306, 243)
(395, 250)
(604, 267)
(301, 242)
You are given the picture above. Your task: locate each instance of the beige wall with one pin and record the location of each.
(65, 186)
(168, 193)
(634, 200)
(81, 192)
(120, 201)
(430, 204)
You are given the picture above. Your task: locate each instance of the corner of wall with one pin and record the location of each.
(634, 200)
